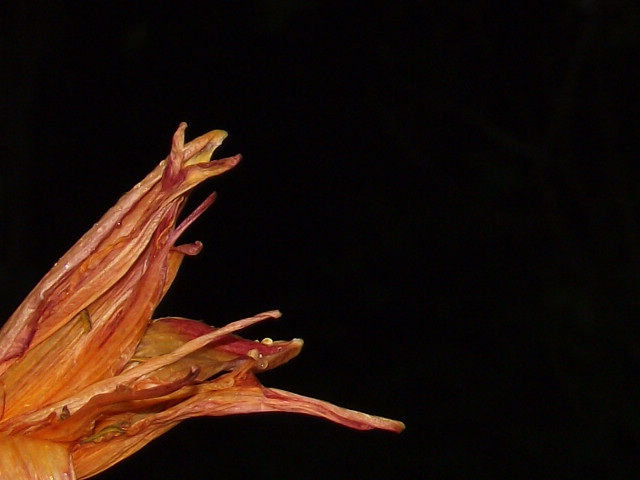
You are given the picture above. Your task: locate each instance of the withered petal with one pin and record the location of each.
(85, 375)
(34, 459)
(107, 251)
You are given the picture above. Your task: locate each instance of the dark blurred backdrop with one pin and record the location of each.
(443, 199)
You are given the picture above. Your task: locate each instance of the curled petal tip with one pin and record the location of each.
(200, 149)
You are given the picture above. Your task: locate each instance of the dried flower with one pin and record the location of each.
(87, 378)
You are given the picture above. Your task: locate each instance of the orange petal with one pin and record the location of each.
(76, 400)
(105, 253)
(165, 335)
(234, 393)
(34, 459)
(248, 396)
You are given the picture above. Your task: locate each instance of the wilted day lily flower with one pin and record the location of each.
(87, 378)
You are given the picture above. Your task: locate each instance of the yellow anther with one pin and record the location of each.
(253, 353)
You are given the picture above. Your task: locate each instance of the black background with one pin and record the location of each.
(442, 199)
